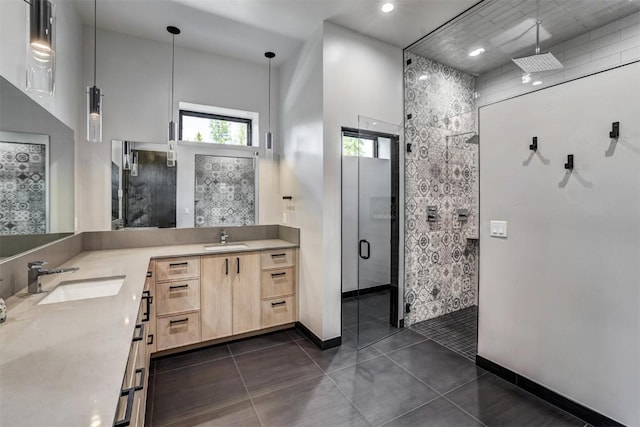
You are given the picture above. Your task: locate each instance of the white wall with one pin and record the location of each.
(135, 77)
(301, 172)
(606, 47)
(361, 76)
(363, 185)
(560, 297)
(65, 105)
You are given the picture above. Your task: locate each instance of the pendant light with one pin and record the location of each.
(126, 155)
(41, 52)
(94, 101)
(134, 162)
(268, 140)
(171, 149)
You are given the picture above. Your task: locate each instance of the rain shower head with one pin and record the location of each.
(538, 62)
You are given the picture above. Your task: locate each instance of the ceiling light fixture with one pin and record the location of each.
(477, 51)
(94, 97)
(387, 7)
(268, 140)
(41, 47)
(172, 155)
(537, 83)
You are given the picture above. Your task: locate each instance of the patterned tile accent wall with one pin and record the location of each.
(23, 188)
(225, 191)
(441, 258)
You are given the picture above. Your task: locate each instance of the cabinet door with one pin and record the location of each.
(246, 292)
(215, 294)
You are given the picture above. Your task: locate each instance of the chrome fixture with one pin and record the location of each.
(269, 136)
(134, 163)
(36, 271)
(172, 155)
(223, 237)
(94, 97)
(41, 51)
(539, 61)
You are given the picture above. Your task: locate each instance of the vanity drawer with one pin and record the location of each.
(278, 311)
(178, 330)
(278, 258)
(278, 282)
(176, 297)
(177, 268)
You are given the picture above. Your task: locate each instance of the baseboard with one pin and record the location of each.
(322, 345)
(365, 291)
(584, 413)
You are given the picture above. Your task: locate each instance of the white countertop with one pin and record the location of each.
(63, 364)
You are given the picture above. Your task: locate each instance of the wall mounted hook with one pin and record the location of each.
(534, 145)
(615, 130)
(569, 164)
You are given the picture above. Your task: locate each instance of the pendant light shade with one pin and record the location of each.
(41, 52)
(94, 96)
(126, 155)
(172, 155)
(134, 163)
(268, 139)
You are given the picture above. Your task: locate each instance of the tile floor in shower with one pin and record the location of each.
(282, 379)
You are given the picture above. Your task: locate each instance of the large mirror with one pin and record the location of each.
(209, 186)
(36, 174)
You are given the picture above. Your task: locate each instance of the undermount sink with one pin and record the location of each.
(75, 290)
(220, 247)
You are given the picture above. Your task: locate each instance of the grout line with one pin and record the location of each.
(326, 375)
(260, 349)
(192, 365)
(408, 412)
(246, 389)
(439, 394)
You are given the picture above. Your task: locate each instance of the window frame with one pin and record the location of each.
(212, 116)
(363, 134)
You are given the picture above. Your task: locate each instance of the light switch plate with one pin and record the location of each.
(498, 229)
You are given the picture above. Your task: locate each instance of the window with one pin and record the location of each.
(214, 128)
(362, 144)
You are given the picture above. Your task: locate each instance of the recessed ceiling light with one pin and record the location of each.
(537, 83)
(476, 52)
(387, 7)
(423, 77)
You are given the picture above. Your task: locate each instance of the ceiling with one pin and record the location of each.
(245, 29)
(506, 29)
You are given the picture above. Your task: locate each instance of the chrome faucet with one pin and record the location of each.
(36, 271)
(223, 237)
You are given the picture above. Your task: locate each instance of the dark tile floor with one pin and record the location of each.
(458, 331)
(281, 379)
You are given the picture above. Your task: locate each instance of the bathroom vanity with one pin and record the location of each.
(86, 362)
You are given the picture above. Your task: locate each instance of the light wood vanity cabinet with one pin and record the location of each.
(177, 302)
(278, 287)
(216, 297)
(245, 285)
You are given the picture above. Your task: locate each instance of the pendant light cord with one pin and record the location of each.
(173, 56)
(269, 94)
(95, 40)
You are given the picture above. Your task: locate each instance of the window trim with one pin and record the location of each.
(365, 134)
(191, 113)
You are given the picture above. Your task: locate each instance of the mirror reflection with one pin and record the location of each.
(36, 174)
(209, 186)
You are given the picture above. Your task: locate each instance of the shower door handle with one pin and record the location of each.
(368, 249)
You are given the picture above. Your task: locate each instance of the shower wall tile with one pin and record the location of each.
(442, 171)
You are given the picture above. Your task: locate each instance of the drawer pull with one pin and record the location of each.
(238, 271)
(226, 266)
(149, 339)
(284, 273)
(139, 326)
(178, 264)
(173, 288)
(140, 386)
(275, 304)
(149, 274)
(146, 295)
(278, 255)
(127, 413)
(175, 322)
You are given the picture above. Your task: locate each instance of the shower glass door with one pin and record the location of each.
(377, 230)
